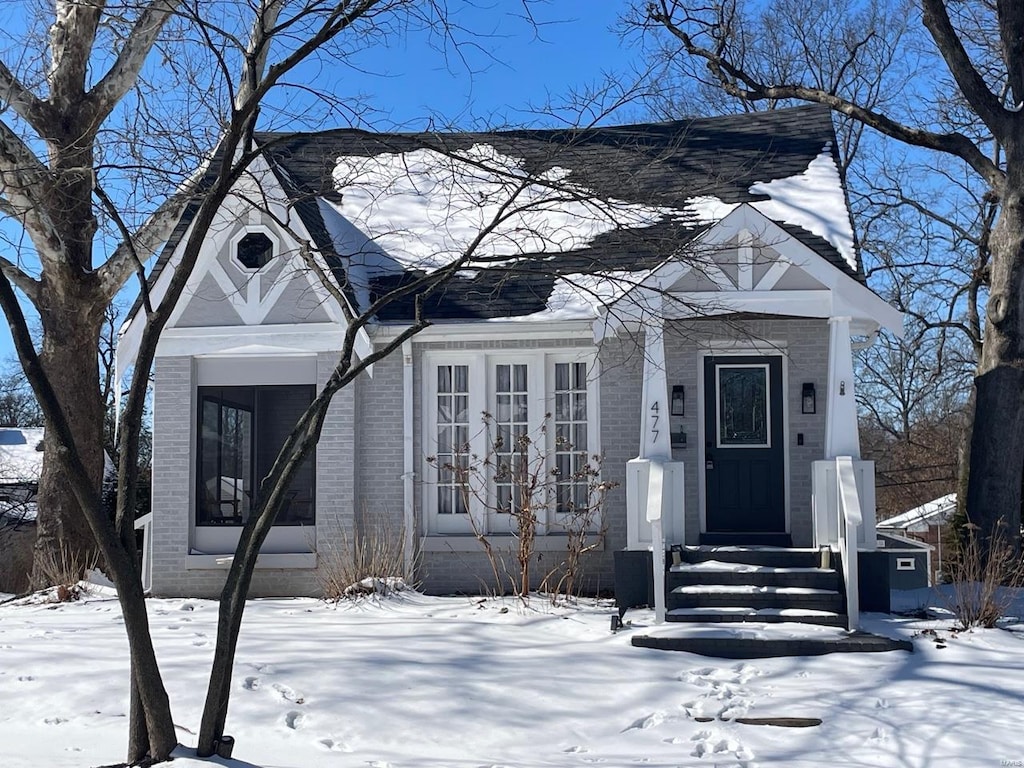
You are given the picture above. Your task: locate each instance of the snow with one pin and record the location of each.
(715, 589)
(918, 519)
(411, 681)
(812, 200)
(425, 209)
(720, 566)
(20, 461)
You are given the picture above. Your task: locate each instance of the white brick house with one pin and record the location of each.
(681, 295)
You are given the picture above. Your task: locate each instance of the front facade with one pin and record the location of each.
(709, 332)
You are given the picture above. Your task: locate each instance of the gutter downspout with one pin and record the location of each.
(408, 472)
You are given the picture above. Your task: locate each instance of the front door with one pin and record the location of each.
(744, 458)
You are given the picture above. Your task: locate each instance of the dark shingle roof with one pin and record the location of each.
(654, 164)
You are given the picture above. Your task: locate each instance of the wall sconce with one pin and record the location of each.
(808, 400)
(678, 400)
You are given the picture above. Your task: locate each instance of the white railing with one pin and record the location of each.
(655, 501)
(850, 519)
(146, 524)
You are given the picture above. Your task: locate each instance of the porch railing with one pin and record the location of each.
(145, 524)
(850, 519)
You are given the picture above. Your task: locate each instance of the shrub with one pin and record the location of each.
(983, 573)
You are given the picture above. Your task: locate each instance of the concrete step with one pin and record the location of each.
(775, 557)
(719, 572)
(737, 614)
(749, 596)
(725, 647)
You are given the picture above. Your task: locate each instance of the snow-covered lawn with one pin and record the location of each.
(413, 681)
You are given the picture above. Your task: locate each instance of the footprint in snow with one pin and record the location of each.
(251, 683)
(288, 694)
(882, 704)
(334, 746)
(294, 720)
(710, 745)
(55, 720)
(651, 721)
(25, 679)
(575, 750)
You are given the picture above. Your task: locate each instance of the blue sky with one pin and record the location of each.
(502, 73)
(504, 66)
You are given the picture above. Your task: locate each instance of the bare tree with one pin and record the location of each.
(84, 121)
(987, 83)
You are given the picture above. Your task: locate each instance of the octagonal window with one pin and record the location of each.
(255, 250)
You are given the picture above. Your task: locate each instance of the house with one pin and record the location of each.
(679, 298)
(924, 525)
(21, 461)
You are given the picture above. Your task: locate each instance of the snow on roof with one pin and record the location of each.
(425, 208)
(813, 200)
(918, 519)
(21, 457)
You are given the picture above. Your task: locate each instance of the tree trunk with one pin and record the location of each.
(71, 321)
(997, 438)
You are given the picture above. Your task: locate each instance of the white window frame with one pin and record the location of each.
(482, 391)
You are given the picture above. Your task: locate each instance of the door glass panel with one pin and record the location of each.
(743, 406)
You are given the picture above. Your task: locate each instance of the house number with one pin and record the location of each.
(655, 415)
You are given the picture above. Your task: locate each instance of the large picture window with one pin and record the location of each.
(241, 430)
(493, 425)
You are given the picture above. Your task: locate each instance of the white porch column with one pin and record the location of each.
(656, 446)
(841, 435)
(655, 437)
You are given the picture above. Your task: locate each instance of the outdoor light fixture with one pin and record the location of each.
(679, 400)
(807, 398)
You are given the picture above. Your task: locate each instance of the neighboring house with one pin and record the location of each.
(925, 524)
(21, 461)
(679, 298)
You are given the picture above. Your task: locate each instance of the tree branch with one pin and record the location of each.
(109, 91)
(1011, 24)
(972, 85)
(742, 85)
(22, 101)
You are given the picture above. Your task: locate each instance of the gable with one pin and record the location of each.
(227, 288)
(745, 262)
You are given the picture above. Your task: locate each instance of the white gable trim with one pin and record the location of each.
(842, 295)
(265, 187)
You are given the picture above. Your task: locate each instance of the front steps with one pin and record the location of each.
(727, 584)
(722, 599)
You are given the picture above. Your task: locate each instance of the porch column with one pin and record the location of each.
(656, 446)
(655, 437)
(841, 435)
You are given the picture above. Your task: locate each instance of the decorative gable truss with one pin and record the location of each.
(749, 263)
(226, 288)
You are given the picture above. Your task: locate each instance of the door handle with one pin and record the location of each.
(709, 462)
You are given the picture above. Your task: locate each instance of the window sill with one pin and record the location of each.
(502, 543)
(295, 560)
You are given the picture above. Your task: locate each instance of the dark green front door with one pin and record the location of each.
(744, 458)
